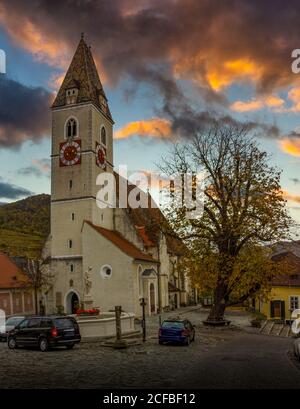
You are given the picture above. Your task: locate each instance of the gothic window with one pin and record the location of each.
(103, 136)
(71, 128)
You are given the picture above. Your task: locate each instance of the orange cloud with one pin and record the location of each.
(290, 196)
(240, 106)
(290, 146)
(294, 96)
(30, 37)
(155, 128)
(272, 101)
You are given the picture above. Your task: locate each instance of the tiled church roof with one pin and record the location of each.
(150, 221)
(82, 74)
(124, 245)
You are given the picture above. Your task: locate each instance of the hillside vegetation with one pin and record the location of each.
(25, 225)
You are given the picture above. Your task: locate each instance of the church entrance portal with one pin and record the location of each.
(72, 303)
(152, 297)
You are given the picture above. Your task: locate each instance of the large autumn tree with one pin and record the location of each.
(244, 213)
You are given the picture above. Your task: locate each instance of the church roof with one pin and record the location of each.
(83, 75)
(11, 276)
(124, 245)
(149, 221)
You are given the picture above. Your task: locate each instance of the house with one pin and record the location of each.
(16, 295)
(285, 292)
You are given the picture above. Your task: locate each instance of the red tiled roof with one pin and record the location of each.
(293, 262)
(11, 276)
(124, 245)
(149, 221)
(141, 231)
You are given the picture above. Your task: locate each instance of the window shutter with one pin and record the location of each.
(282, 309)
(272, 309)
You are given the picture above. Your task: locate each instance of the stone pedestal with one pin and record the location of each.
(88, 302)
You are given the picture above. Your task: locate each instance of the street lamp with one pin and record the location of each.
(143, 304)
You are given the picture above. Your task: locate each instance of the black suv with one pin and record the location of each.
(45, 332)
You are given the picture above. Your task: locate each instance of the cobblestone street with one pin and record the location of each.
(91, 365)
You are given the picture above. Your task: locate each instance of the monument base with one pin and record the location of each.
(88, 302)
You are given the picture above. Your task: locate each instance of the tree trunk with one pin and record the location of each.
(217, 310)
(36, 301)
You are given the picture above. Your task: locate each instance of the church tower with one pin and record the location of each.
(82, 147)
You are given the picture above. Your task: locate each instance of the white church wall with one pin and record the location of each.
(66, 279)
(116, 290)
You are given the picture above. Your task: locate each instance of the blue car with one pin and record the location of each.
(176, 330)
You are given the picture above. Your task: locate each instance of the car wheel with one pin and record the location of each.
(43, 345)
(70, 346)
(12, 343)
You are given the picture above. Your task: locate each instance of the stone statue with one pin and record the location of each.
(88, 281)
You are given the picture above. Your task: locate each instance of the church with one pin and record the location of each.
(101, 257)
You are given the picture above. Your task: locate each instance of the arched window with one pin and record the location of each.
(71, 128)
(103, 136)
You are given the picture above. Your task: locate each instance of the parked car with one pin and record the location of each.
(176, 330)
(10, 324)
(45, 332)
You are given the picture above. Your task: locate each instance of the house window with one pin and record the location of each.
(17, 302)
(294, 302)
(73, 216)
(70, 184)
(71, 268)
(70, 243)
(71, 128)
(103, 136)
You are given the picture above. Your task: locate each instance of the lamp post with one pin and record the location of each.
(143, 304)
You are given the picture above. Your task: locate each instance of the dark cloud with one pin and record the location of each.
(196, 38)
(24, 113)
(10, 191)
(213, 43)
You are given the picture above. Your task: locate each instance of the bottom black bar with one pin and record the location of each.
(92, 398)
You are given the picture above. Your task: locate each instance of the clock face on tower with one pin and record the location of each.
(70, 153)
(100, 156)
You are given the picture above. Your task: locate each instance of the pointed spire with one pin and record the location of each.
(83, 75)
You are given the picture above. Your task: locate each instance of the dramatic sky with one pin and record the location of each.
(166, 66)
